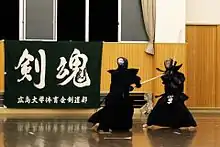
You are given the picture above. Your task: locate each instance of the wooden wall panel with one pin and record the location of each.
(164, 51)
(201, 57)
(217, 97)
(136, 56)
(2, 64)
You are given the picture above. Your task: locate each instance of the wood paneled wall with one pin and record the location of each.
(2, 66)
(202, 73)
(136, 56)
(218, 68)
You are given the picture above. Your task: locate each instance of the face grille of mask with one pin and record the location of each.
(121, 61)
(168, 63)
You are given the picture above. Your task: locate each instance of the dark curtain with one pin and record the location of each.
(9, 28)
(103, 24)
(71, 20)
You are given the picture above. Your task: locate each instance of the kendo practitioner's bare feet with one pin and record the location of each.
(145, 126)
(188, 128)
(192, 128)
(94, 127)
(153, 127)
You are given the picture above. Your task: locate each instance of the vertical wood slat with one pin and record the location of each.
(2, 66)
(201, 64)
(217, 97)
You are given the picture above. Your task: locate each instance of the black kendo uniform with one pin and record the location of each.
(170, 110)
(118, 110)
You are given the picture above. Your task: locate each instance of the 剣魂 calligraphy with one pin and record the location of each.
(77, 70)
(24, 65)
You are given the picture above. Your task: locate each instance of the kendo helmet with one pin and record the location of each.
(122, 62)
(168, 63)
(171, 64)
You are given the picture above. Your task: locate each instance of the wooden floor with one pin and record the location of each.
(68, 131)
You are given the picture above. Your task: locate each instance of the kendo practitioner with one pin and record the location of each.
(118, 111)
(170, 110)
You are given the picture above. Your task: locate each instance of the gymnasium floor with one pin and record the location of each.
(68, 131)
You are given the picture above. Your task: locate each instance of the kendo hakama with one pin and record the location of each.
(118, 111)
(170, 110)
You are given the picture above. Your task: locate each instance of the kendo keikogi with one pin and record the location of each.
(170, 110)
(118, 110)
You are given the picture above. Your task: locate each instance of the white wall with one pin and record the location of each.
(170, 21)
(203, 12)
